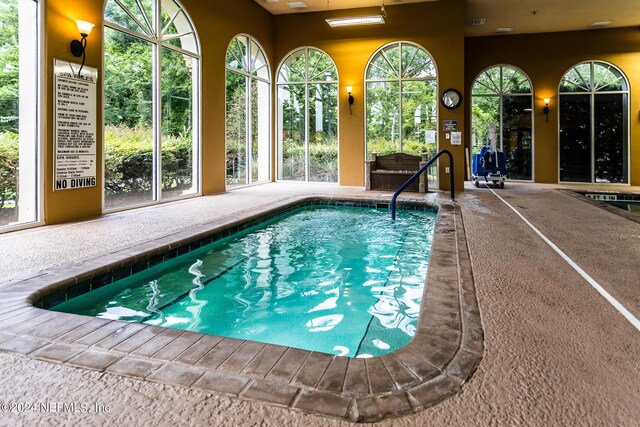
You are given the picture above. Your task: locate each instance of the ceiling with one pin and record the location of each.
(524, 16)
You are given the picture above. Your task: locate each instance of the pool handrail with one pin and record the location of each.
(417, 174)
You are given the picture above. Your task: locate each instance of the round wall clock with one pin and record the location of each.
(451, 98)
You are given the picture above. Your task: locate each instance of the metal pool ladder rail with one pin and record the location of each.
(417, 174)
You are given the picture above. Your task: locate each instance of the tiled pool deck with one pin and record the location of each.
(444, 354)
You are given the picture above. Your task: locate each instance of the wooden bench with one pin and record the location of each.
(392, 170)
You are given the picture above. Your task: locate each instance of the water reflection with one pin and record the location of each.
(324, 323)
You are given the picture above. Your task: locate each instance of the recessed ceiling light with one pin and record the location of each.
(297, 5)
(479, 21)
(272, 1)
(503, 30)
(600, 23)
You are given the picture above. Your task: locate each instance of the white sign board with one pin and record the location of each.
(456, 138)
(430, 137)
(75, 126)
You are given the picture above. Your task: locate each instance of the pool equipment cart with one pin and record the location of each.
(490, 165)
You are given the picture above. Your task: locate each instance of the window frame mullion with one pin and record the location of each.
(248, 128)
(157, 101)
(307, 156)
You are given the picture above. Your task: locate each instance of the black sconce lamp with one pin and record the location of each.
(78, 47)
(351, 100)
(546, 108)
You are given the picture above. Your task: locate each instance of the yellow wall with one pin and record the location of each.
(437, 26)
(216, 26)
(545, 58)
(69, 205)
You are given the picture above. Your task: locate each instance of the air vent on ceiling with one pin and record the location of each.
(297, 5)
(479, 21)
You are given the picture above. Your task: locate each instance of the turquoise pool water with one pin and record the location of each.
(339, 280)
(629, 206)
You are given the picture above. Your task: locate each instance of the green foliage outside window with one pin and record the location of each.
(9, 72)
(401, 101)
(8, 170)
(128, 160)
(308, 96)
(9, 90)
(236, 128)
(248, 105)
(323, 158)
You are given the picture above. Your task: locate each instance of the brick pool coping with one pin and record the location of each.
(443, 355)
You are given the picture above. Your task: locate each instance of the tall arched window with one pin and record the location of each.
(248, 135)
(308, 117)
(151, 103)
(594, 124)
(19, 95)
(503, 95)
(401, 104)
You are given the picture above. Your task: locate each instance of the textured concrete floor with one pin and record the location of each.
(557, 353)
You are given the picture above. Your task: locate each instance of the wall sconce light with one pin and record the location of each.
(546, 108)
(78, 47)
(351, 100)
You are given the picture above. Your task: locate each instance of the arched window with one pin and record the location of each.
(19, 130)
(401, 104)
(248, 135)
(503, 95)
(308, 117)
(151, 102)
(594, 124)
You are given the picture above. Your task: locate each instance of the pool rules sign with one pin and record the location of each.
(75, 126)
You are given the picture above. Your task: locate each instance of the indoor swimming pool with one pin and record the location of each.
(342, 280)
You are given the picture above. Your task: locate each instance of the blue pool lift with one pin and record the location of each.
(490, 165)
